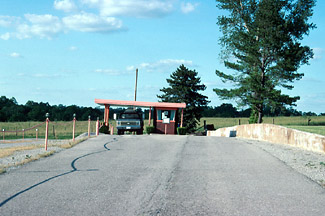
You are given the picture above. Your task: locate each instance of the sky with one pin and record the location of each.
(73, 51)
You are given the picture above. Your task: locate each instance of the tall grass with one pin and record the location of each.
(284, 121)
(57, 130)
(316, 123)
(63, 130)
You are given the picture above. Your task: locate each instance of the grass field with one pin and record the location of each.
(57, 130)
(316, 125)
(63, 130)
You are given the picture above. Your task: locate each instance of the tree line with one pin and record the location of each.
(226, 110)
(11, 111)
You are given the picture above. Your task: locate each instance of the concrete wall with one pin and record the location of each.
(275, 134)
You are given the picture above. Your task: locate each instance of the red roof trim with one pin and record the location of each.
(139, 103)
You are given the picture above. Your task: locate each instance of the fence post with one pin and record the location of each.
(54, 131)
(46, 130)
(88, 126)
(23, 134)
(3, 131)
(74, 127)
(36, 134)
(97, 127)
(112, 129)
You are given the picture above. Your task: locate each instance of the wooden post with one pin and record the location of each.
(106, 114)
(182, 117)
(23, 134)
(273, 120)
(149, 116)
(74, 127)
(238, 121)
(36, 134)
(88, 126)
(112, 130)
(136, 83)
(46, 131)
(97, 127)
(3, 131)
(165, 129)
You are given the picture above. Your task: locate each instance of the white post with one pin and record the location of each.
(46, 131)
(74, 127)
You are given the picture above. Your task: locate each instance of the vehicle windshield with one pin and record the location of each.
(129, 116)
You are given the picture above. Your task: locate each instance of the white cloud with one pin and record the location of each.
(318, 53)
(15, 55)
(47, 76)
(138, 8)
(107, 71)
(130, 68)
(86, 22)
(111, 72)
(65, 5)
(41, 75)
(106, 21)
(73, 48)
(5, 36)
(43, 26)
(7, 21)
(166, 65)
(188, 7)
(49, 26)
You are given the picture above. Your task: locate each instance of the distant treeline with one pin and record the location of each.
(11, 111)
(228, 110)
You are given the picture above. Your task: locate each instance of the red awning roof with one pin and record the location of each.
(139, 103)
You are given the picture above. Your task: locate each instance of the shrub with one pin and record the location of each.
(150, 129)
(104, 129)
(181, 130)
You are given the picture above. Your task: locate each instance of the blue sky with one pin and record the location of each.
(73, 51)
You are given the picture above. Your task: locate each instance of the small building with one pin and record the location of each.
(164, 114)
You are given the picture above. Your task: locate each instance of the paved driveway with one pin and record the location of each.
(160, 175)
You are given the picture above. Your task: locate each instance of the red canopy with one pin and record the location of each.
(139, 103)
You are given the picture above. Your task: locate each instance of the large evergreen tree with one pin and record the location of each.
(184, 87)
(261, 41)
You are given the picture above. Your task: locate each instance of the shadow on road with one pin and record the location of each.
(74, 169)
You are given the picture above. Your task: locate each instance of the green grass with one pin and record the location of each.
(311, 129)
(63, 130)
(317, 123)
(57, 130)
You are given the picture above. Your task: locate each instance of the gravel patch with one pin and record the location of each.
(309, 163)
(15, 160)
(20, 156)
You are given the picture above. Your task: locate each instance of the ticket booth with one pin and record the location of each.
(165, 120)
(165, 115)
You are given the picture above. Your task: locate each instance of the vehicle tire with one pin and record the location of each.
(120, 132)
(139, 132)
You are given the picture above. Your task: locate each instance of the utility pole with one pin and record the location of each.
(136, 84)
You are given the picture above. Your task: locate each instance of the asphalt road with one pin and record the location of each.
(160, 175)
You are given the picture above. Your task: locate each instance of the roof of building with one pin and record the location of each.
(139, 103)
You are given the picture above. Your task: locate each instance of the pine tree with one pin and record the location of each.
(184, 87)
(261, 41)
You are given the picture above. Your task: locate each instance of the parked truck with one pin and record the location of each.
(129, 120)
